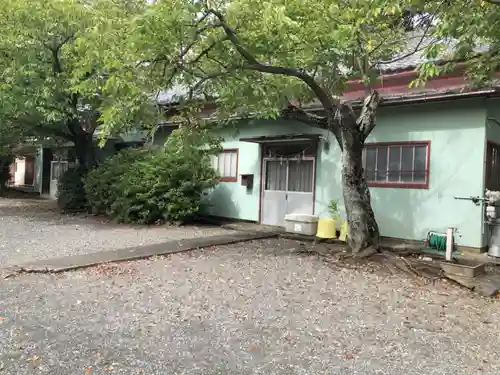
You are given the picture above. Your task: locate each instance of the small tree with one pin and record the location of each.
(50, 83)
(256, 57)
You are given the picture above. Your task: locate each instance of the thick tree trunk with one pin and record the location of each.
(363, 228)
(84, 148)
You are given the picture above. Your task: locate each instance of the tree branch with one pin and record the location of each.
(210, 76)
(417, 47)
(54, 49)
(253, 64)
(56, 63)
(203, 53)
(366, 119)
(292, 112)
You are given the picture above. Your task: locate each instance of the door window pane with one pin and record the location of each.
(300, 175)
(276, 175)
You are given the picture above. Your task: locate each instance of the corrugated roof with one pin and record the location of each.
(407, 59)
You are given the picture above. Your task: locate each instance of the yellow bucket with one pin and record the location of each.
(326, 228)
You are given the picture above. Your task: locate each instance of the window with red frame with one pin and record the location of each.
(402, 164)
(226, 163)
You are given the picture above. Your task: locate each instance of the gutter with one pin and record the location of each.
(392, 102)
(435, 98)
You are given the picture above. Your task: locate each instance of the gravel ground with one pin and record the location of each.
(33, 229)
(253, 308)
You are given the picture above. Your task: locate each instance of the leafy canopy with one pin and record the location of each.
(51, 84)
(254, 55)
(470, 38)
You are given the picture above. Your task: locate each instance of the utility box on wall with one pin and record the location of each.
(247, 180)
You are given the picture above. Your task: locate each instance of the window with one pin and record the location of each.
(403, 164)
(226, 163)
(492, 166)
(57, 169)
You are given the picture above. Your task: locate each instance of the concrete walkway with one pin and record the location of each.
(34, 229)
(86, 260)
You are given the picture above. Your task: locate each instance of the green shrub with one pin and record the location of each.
(155, 186)
(5, 162)
(101, 182)
(70, 190)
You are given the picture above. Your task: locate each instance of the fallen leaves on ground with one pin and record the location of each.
(112, 269)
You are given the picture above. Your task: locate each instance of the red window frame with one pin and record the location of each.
(229, 178)
(405, 184)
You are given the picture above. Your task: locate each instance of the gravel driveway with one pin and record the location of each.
(33, 229)
(254, 308)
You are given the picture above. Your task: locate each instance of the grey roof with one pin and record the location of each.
(414, 52)
(172, 95)
(410, 57)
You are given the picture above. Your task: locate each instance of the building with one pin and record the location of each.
(429, 146)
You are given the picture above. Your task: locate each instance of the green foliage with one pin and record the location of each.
(155, 186)
(101, 183)
(71, 195)
(253, 55)
(333, 209)
(474, 38)
(5, 162)
(51, 84)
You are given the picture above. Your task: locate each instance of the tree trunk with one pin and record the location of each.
(84, 148)
(363, 228)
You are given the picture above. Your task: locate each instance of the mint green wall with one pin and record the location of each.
(230, 199)
(456, 131)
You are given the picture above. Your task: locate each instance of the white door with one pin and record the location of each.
(274, 194)
(288, 188)
(300, 187)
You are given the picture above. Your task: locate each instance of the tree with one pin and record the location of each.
(258, 57)
(471, 39)
(50, 85)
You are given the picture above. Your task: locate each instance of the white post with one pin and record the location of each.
(449, 244)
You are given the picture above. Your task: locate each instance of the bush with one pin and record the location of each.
(5, 162)
(70, 190)
(101, 182)
(154, 186)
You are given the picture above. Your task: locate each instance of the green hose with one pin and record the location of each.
(436, 241)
